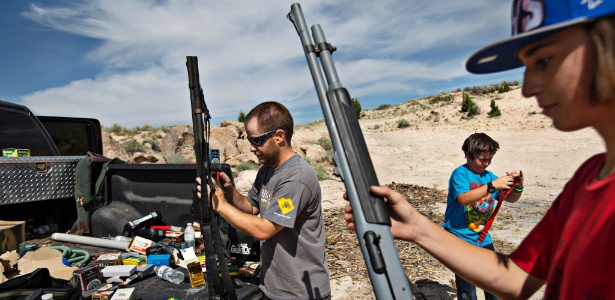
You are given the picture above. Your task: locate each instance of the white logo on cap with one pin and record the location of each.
(591, 4)
(528, 14)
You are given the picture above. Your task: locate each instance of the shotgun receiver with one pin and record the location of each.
(214, 256)
(354, 164)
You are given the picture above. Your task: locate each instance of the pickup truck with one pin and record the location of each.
(40, 188)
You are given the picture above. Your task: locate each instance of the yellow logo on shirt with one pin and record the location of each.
(286, 205)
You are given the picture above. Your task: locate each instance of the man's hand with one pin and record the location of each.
(218, 198)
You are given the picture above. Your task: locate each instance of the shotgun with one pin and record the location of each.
(354, 164)
(214, 256)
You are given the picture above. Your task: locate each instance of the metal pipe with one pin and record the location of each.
(92, 241)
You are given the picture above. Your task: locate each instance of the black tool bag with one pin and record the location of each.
(34, 285)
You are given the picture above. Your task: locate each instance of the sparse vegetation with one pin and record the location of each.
(176, 159)
(357, 106)
(155, 145)
(504, 87)
(321, 173)
(247, 165)
(383, 106)
(441, 98)
(132, 146)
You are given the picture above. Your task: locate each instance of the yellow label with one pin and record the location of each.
(286, 205)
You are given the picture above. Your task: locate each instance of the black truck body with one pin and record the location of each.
(40, 189)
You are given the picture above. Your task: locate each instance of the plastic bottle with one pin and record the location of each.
(189, 236)
(46, 229)
(169, 274)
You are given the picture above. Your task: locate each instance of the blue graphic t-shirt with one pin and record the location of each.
(468, 221)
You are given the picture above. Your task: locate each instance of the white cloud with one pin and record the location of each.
(249, 52)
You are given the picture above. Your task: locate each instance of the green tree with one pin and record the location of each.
(504, 87)
(241, 117)
(357, 107)
(495, 110)
(467, 102)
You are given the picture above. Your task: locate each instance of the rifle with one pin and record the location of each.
(354, 164)
(214, 256)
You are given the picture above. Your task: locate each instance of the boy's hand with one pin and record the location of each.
(517, 177)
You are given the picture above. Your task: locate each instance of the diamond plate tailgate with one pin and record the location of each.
(37, 178)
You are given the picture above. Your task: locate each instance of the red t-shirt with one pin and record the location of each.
(573, 246)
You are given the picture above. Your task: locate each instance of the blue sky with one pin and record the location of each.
(124, 61)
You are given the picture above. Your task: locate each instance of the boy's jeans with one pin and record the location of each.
(466, 290)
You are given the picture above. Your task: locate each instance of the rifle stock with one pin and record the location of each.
(354, 164)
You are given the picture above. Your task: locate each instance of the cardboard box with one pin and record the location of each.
(12, 233)
(124, 294)
(12, 152)
(250, 269)
(88, 277)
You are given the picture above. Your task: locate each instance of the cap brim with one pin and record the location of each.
(502, 56)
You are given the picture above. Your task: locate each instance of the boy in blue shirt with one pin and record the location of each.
(473, 192)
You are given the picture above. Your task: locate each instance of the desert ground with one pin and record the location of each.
(425, 153)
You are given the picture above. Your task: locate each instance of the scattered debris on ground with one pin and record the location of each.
(345, 257)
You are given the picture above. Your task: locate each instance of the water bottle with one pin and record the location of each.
(46, 229)
(189, 236)
(169, 274)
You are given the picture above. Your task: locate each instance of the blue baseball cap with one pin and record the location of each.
(533, 20)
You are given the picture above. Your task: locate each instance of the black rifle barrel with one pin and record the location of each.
(214, 256)
(354, 163)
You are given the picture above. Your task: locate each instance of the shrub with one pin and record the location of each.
(473, 110)
(246, 165)
(402, 123)
(442, 97)
(383, 106)
(495, 110)
(117, 129)
(325, 143)
(132, 146)
(155, 145)
(241, 117)
(321, 173)
(175, 159)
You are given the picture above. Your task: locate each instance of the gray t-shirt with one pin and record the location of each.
(293, 262)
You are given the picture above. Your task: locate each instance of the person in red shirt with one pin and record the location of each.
(568, 50)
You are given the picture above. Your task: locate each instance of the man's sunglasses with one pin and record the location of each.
(261, 139)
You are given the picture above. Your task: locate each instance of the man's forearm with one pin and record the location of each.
(240, 202)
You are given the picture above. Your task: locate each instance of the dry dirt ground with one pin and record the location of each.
(417, 161)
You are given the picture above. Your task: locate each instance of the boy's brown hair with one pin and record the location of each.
(478, 143)
(602, 35)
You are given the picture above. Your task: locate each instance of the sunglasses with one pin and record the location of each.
(261, 139)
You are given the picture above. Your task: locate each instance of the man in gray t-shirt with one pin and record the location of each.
(283, 209)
